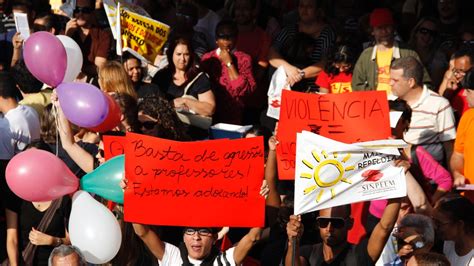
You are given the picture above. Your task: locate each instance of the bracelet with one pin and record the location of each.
(58, 242)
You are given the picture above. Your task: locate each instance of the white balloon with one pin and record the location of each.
(93, 229)
(74, 58)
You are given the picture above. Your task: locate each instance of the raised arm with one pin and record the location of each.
(294, 229)
(151, 240)
(246, 243)
(80, 156)
(383, 229)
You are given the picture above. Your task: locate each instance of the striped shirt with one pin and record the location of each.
(172, 256)
(432, 123)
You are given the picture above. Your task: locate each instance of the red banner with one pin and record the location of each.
(346, 117)
(205, 184)
(113, 146)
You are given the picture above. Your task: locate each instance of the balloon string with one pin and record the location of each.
(55, 113)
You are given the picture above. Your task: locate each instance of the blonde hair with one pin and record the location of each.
(113, 78)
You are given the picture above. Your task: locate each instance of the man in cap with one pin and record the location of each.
(372, 70)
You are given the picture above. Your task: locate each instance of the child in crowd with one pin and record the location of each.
(337, 74)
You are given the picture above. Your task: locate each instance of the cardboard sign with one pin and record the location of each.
(113, 146)
(110, 7)
(347, 117)
(331, 173)
(141, 36)
(203, 184)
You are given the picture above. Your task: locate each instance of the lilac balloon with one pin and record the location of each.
(82, 103)
(45, 57)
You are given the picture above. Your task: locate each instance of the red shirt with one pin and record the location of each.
(335, 84)
(230, 94)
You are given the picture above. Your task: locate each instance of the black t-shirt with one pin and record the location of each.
(90, 148)
(30, 217)
(147, 90)
(164, 80)
(352, 255)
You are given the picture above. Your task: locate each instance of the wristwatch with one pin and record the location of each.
(229, 64)
(58, 241)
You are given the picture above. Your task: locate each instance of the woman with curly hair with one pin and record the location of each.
(159, 119)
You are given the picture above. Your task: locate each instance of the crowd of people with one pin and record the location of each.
(216, 67)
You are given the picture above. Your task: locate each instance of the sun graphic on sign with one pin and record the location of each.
(325, 161)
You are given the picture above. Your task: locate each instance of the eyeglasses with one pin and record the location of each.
(149, 124)
(225, 36)
(101, 153)
(200, 231)
(414, 244)
(427, 31)
(460, 71)
(83, 10)
(336, 222)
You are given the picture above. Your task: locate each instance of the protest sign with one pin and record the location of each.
(21, 24)
(113, 146)
(110, 7)
(347, 117)
(140, 35)
(204, 183)
(278, 83)
(331, 173)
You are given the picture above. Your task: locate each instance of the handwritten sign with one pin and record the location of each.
(113, 146)
(142, 36)
(348, 117)
(110, 7)
(205, 183)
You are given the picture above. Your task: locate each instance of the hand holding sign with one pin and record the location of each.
(348, 117)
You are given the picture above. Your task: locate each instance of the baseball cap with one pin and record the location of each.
(380, 17)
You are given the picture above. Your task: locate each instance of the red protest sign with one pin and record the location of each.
(113, 146)
(205, 183)
(347, 117)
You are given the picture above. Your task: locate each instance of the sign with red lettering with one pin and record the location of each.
(113, 146)
(347, 117)
(204, 183)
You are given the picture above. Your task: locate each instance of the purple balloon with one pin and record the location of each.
(45, 57)
(82, 103)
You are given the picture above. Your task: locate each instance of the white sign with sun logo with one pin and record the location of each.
(330, 173)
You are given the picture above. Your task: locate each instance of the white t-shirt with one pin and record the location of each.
(18, 128)
(450, 253)
(172, 257)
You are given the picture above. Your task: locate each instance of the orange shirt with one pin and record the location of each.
(464, 144)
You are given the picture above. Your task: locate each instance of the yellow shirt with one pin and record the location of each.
(384, 59)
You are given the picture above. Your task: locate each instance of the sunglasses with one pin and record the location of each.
(101, 153)
(149, 124)
(83, 10)
(225, 36)
(427, 31)
(336, 222)
(200, 231)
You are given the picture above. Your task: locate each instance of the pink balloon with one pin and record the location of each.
(37, 175)
(45, 57)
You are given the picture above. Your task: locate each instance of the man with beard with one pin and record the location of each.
(334, 223)
(372, 70)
